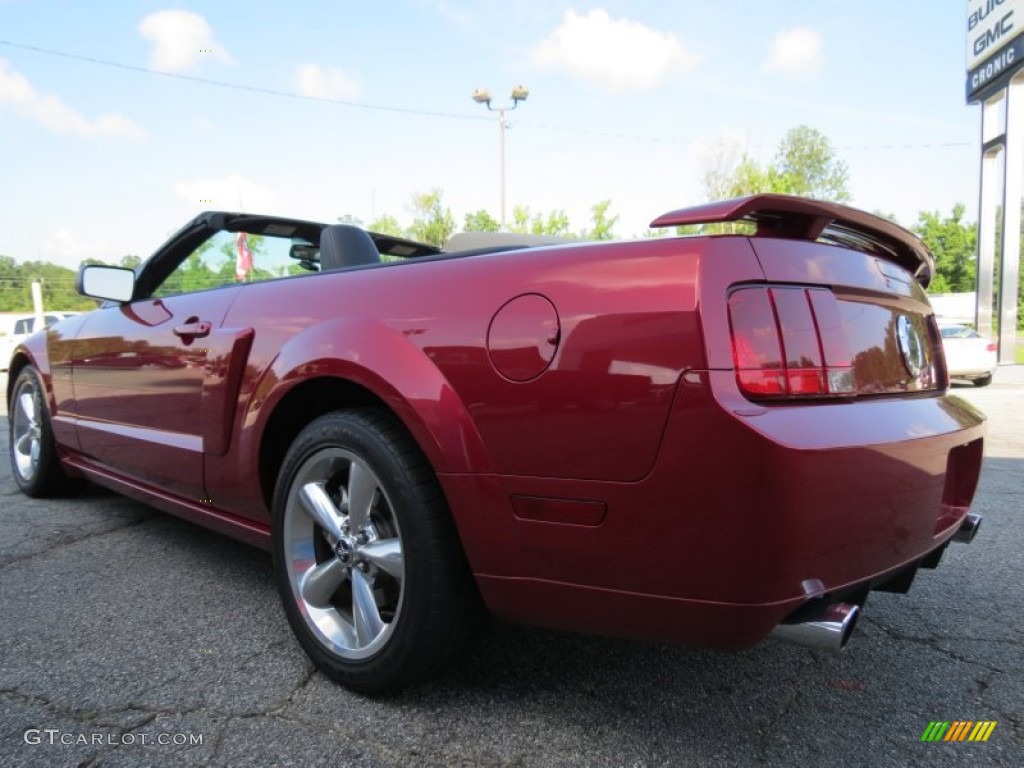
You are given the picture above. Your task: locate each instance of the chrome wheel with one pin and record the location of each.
(367, 559)
(26, 429)
(343, 554)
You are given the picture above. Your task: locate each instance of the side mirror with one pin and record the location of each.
(100, 281)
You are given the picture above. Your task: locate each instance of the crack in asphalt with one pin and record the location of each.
(103, 717)
(84, 717)
(984, 682)
(218, 744)
(67, 542)
(767, 734)
(932, 642)
(303, 683)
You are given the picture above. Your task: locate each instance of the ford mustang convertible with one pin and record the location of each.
(705, 439)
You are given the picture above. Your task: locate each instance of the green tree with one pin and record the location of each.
(386, 224)
(480, 221)
(601, 224)
(10, 283)
(524, 222)
(520, 219)
(58, 287)
(954, 244)
(433, 222)
(805, 164)
(194, 274)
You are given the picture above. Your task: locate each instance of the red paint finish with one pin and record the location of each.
(523, 337)
(139, 388)
(581, 406)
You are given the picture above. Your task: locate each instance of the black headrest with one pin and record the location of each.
(342, 245)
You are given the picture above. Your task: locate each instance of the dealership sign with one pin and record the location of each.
(995, 44)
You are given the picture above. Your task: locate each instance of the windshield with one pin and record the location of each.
(958, 332)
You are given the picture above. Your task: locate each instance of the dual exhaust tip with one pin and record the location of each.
(828, 626)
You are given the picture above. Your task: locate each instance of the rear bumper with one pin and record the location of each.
(749, 513)
(970, 373)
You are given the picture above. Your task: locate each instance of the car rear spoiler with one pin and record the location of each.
(799, 218)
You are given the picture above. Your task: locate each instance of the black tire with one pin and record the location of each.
(393, 600)
(34, 463)
(983, 381)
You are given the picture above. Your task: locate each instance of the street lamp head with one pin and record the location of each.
(482, 96)
(520, 92)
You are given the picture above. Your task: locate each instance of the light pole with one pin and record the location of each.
(483, 96)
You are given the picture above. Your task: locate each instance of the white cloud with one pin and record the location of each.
(797, 52)
(61, 247)
(324, 83)
(55, 115)
(181, 39)
(231, 193)
(614, 54)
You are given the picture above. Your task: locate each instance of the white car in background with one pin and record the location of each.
(969, 355)
(19, 328)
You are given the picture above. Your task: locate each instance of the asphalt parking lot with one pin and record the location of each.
(123, 627)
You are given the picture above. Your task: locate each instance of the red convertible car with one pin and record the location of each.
(702, 439)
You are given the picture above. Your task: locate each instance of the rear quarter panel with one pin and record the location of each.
(416, 335)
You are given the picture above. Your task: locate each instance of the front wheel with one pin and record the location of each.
(34, 462)
(367, 561)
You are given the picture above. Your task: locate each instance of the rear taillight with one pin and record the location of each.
(991, 347)
(789, 343)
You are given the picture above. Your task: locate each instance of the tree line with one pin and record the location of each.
(434, 223)
(805, 163)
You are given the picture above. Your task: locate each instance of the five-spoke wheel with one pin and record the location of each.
(367, 561)
(37, 469)
(26, 430)
(343, 551)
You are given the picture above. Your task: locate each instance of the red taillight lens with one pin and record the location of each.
(756, 350)
(991, 347)
(789, 342)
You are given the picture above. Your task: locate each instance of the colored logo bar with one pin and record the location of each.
(958, 730)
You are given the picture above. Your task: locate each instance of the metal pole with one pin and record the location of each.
(37, 304)
(483, 96)
(501, 152)
(1013, 187)
(987, 207)
(993, 143)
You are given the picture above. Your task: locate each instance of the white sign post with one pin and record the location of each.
(995, 78)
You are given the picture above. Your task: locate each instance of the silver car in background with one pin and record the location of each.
(969, 355)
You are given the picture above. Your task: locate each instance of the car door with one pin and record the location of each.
(156, 380)
(139, 371)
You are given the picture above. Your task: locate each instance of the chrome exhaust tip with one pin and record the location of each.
(968, 529)
(828, 628)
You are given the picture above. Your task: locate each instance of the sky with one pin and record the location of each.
(121, 120)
